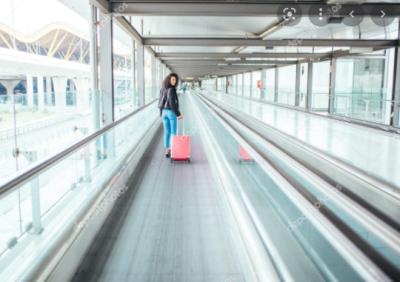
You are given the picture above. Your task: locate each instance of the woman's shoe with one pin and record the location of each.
(168, 153)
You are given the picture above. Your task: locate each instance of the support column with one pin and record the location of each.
(31, 157)
(29, 91)
(82, 94)
(95, 93)
(263, 83)
(134, 82)
(236, 84)
(276, 85)
(251, 84)
(159, 76)
(394, 121)
(48, 85)
(153, 77)
(297, 86)
(140, 74)
(242, 84)
(47, 91)
(60, 86)
(40, 94)
(10, 85)
(106, 70)
(332, 82)
(309, 87)
(107, 83)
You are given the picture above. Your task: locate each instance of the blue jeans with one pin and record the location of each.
(170, 125)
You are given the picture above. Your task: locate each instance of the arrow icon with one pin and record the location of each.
(383, 14)
(351, 14)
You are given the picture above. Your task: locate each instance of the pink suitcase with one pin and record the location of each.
(244, 156)
(180, 147)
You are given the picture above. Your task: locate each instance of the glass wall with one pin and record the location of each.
(303, 85)
(45, 81)
(148, 77)
(270, 85)
(256, 85)
(247, 84)
(48, 102)
(230, 84)
(320, 86)
(221, 84)
(124, 90)
(209, 84)
(240, 84)
(361, 88)
(287, 85)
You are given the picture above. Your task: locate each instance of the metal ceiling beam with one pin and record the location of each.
(220, 67)
(218, 73)
(202, 72)
(236, 63)
(243, 8)
(297, 42)
(106, 7)
(174, 55)
(103, 5)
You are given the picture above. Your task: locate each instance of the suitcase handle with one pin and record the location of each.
(183, 126)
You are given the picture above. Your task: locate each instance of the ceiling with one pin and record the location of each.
(184, 34)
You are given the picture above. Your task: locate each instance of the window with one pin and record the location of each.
(256, 89)
(240, 84)
(320, 87)
(270, 85)
(247, 84)
(124, 93)
(287, 85)
(361, 89)
(48, 107)
(303, 85)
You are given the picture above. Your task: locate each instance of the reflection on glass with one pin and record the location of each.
(270, 85)
(287, 85)
(240, 84)
(303, 85)
(320, 87)
(256, 84)
(247, 84)
(361, 89)
(125, 96)
(45, 100)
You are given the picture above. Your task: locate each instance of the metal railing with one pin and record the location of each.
(365, 116)
(32, 199)
(21, 177)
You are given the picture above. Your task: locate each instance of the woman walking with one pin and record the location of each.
(169, 109)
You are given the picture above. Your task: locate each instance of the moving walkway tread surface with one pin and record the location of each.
(174, 228)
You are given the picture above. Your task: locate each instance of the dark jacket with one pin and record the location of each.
(169, 100)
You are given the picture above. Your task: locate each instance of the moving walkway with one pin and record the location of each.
(293, 214)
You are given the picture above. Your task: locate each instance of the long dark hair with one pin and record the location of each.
(166, 82)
